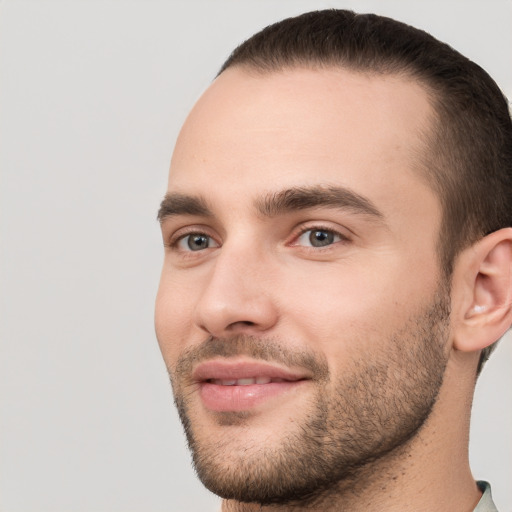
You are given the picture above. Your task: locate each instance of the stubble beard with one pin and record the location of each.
(376, 407)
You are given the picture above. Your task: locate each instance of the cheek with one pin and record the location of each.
(173, 313)
(355, 307)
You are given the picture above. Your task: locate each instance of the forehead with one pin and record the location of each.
(254, 133)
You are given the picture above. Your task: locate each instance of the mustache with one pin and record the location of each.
(264, 349)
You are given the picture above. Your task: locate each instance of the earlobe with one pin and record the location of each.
(483, 286)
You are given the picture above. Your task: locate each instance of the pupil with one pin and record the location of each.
(321, 238)
(197, 242)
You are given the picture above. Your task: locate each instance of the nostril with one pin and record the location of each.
(224, 309)
(240, 324)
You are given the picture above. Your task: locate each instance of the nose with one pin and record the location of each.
(237, 298)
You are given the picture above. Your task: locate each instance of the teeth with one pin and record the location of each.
(225, 382)
(244, 382)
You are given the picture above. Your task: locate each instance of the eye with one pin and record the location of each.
(195, 242)
(318, 237)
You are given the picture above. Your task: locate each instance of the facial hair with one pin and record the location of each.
(375, 407)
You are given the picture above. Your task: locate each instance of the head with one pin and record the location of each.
(467, 156)
(321, 194)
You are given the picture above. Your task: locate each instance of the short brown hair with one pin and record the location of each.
(468, 161)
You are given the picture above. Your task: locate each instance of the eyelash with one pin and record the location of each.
(175, 240)
(180, 235)
(319, 228)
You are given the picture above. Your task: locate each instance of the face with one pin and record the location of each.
(300, 310)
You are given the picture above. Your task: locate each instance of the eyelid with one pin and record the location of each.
(318, 226)
(197, 229)
(179, 244)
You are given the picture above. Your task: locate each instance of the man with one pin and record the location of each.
(337, 267)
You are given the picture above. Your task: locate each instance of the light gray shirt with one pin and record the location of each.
(485, 504)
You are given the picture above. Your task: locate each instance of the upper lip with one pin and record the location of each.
(243, 369)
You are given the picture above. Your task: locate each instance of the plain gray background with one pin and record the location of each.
(92, 97)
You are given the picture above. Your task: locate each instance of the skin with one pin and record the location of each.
(254, 135)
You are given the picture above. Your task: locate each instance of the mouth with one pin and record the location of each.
(238, 385)
(245, 381)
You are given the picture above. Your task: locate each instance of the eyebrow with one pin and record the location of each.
(277, 203)
(181, 204)
(301, 198)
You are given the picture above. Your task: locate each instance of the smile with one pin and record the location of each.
(245, 382)
(240, 385)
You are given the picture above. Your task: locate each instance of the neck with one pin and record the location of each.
(430, 472)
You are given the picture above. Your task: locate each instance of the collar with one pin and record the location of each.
(485, 504)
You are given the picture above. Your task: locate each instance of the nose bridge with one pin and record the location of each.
(235, 297)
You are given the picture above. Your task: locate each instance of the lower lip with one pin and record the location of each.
(242, 398)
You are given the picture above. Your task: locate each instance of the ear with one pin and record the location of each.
(482, 292)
